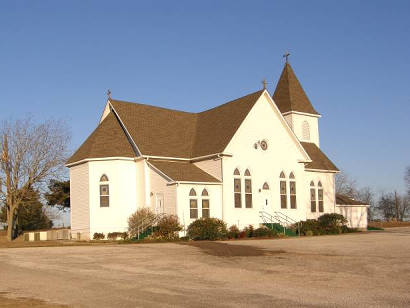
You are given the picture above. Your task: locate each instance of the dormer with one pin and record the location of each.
(295, 106)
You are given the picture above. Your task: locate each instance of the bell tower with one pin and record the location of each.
(295, 106)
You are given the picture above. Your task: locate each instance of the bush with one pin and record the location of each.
(264, 232)
(249, 231)
(114, 235)
(311, 226)
(326, 224)
(332, 223)
(233, 232)
(136, 220)
(98, 236)
(168, 227)
(207, 229)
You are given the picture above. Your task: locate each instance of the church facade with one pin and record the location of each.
(254, 157)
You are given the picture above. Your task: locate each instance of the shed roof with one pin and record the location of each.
(319, 160)
(183, 171)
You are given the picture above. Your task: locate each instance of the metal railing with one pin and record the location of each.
(147, 223)
(282, 219)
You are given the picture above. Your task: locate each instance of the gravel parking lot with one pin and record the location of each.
(368, 269)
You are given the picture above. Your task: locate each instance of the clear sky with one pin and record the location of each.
(58, 58)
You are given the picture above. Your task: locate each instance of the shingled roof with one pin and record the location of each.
(107, 140)
(167, 133)
(345, 200)
(319, 160)
(289, 94)
(183, 171)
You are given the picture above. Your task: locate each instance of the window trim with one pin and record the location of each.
(104, 182)
(292, 180)
(248, 195)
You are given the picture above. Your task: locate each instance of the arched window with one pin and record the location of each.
(265, 186)
(292, 186)
(312, 197)
(305, 130)
(205, 204)
(248, 189)
(283, 195)
(320, 196)
(237, 189)
(104, 191)
(193, 204)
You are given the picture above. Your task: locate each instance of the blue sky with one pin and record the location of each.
(58, 58)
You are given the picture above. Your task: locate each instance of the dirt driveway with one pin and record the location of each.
(358, 270)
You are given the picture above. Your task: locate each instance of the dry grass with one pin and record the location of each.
(389, 224)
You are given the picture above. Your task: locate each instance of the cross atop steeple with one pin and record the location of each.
(264, 83)
(286, 55)
(109, 94)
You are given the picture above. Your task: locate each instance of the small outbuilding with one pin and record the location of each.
(354, 211)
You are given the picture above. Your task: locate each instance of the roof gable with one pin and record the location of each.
(177, 134)
(289, 94)
(107, 140)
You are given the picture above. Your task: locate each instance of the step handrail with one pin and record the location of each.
(148, 222)
(289, 220)
(269, 218)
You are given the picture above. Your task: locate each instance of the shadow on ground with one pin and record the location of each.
(219, 249)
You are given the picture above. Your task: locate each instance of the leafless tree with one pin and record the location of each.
(407, 181)
(345, 185)
(31, 154)
(393, 206)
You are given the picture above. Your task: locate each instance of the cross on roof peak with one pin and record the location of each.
(109, 94)
(286, 56)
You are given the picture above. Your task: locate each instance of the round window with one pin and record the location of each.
(264, 145)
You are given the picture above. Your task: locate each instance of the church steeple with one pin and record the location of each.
(289, 94)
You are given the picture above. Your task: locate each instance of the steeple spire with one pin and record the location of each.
(289, 94)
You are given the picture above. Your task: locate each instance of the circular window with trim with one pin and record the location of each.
(264, 145)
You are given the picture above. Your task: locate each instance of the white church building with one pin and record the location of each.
(256, 156)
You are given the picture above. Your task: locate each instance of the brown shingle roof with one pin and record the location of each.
(169, 133)
(344, 200)
(107, 140)
(216, 127)
(289, 94)
(319, 160)
(183, 171)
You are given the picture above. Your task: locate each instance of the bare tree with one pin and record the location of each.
(346, 185)
(393, 206)
(32, 153)
(407, 181)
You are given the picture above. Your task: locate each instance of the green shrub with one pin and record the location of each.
(98, 236)
(249, 230)
(141, 217)
(309, 233)
(207, 229)
(264, 232)
(332, 223)
(233, 232)
(311, 225)
(168, 227)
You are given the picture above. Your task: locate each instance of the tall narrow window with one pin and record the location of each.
(292, 186)
(320, 196)
(305, 130)
(104, 191)
(312, 197)
(283, 196)
(237, 189)
(248, 189)
(205, 204)
(193, 204)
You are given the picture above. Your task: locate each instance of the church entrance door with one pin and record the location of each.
(159, 203)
